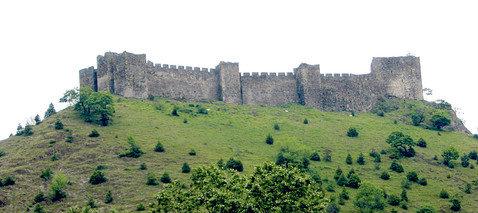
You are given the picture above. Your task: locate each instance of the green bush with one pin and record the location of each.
(348, 159)
(46, 174)
(58, 124)
(361, 159)
(192, 152)
(234, 165)
(404, 195)
(401, 144)
(140, 207)
(134, 151)
(40, 197)
(332, 208)
(306, 121)
(417, 118)
(185, 168)
(344, 194)
(2, 153)
(69, 138)
(165, 178)
(159, 147)
(202, 110)
(422, 143)
(467, 188)
(50, 111)
(330, 187)
(108, 197)
(443, 194)
(38, 208)
(385, 175)
(439, 121)
(8, 181)
(96, 107)
(151, 180)
(269, 139)
(352, 132)
(338, 173)
(412, 176)
(393, 200)
(422, 181)
(276, 127)
(143, 166)
(449, 155)
(455, 204)
(406, 184)
(353, 180)
(94, 133)
(288, 158)
(426, 209)
(315, 156)
(327, 155)
(396, 167)
(91, 203)
(465, 160)
(37, 119)
(342, 180)
(369, 198)
(97, 177)
(175, 111)
(57, 187)
(473, 155)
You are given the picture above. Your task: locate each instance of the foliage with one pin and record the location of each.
(37, 119)
(417, 118)
(96, 107)
(40, 197)
(175, 111)
(269, 139)
(403, 195)
(165, 178)
(70, 96)
(2, 153)
(108, 197)
(401, 144)
(426, 209)
(58, 124)
(151, 180)
(289, 158)
(94, 133)
(159, 147)
(50, 111)
(327, 155)
(369, 198)
(393, 200)
(412, 176)
(143, 166)
(444, 194)
(7, 181)
(185, 168)
(140, 207)
(449, 155)
(69, 138)
(353, 180)
(385, 175)
(91, 203)
(192, 152)
(234, 165)
(422, 143)
(439, 121)
(455, 204)
(46, 174)
(38, 208)
(422, 181)
(352, 132)
(473, 155)
(134, 151)
(276, 127)
(361, 159)
(306, 121)
(27, 131)
(98, 177)
(348, 159)
(465, 160)
(344, 194)
(270, 188)
(467, 188)
(315, 156)
(396, 167)
(57, 187)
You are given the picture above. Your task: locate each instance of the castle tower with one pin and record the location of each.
(399, 76)
(308, 82)
(229, 82)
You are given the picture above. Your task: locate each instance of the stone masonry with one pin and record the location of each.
(131, 75)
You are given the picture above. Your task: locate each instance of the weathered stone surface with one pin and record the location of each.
(130, 75)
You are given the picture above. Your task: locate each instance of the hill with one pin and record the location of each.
(220, 131)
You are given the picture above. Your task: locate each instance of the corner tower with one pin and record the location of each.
(229, 82)
(308, 84)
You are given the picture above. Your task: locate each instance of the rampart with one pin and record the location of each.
(131, 75)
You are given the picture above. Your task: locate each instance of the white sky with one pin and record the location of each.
(44, 43)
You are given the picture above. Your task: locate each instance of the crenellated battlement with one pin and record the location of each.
(131, 75)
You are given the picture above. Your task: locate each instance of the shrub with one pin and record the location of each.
(46, 174)
(276, 127)
(54, 157)
(185, 168)
(417, 118)
(426, 209)
(234, 165)
(57, 187)
(108, 197)
(439, 121)
(27, 131)
(97, 177)
(338, 173)
(134, 151)
(385, 175)
(353, 180)
(465, 160)
(306, 121)
(332, 208)
(96, 107)
(202, 110)
(8, 181)
(396, 167)
(38, 208)
(159, 147)
(393, 200)
(327, 155)
(422, 143)
(330, 187)
(473, 155)
(369, 198)
(348, 159)
(467, 188)
(175, 111)
(344, 194)
(401, 144)
(165, 178)
(380, 113)
(404, 205)
(422, 181)
(50, 111)
(269, 139)
(455, 204)
(315, 156)
(404, 195)
(406, 184)
(94, 133)
(69, 138)
(143, 166)
(449, 155)
(342, 180)
(40, 197)
(37, 119)
(361, 159)
(91, 203)
(140, 207)
(220, 164)
(352, 132)
(443, 194)
(151, 180)
(58, 124)
(377, 159)
(192, 152)
(2, 153)
(412, 176)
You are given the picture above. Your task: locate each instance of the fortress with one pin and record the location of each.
(131, 75)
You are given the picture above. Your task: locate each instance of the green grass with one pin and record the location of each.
(225, 131)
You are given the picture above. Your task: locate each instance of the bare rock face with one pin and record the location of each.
(456, 123)
(131, 75)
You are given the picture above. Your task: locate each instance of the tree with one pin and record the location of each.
(465, 160)
(348, 159)
(315, 156)
(159, 147)
(417, 118)
(50, 111)
(401, 144)
(361, 159)
(97, 177)
(439, 121)
(449, 155)
(58, 124)
(70, 96)
(134, 151)
(369, 198)
(234, 165)
(352, 132)
(37, 119)
(269, 139)
(57, 187)
(422, 143)
(96, 107)
(185, 168)
(108, 197)
(395, 166)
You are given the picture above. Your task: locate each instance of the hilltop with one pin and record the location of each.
(215, 131)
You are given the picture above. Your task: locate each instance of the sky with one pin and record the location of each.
(43, 44)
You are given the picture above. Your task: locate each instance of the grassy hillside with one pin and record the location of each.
(225, 131)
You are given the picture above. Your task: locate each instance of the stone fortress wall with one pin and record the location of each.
(131, 75)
